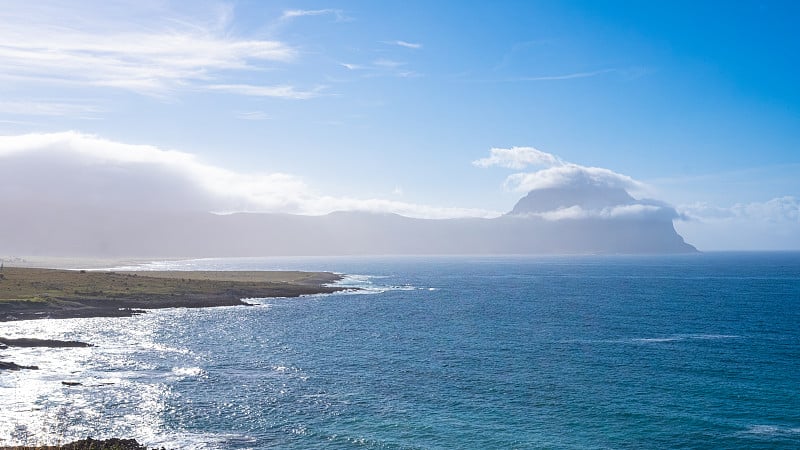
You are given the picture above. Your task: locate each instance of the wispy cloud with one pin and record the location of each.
(349, 66)
(280, 91)
(517, 158)
(253, 115)
(382, 67)
(72, 109)
(154, 59)
(566, 76)
(545, 78)
(388, 63)
(295, 13)
(406, 44)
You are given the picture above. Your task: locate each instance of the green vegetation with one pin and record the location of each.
(48, 285)
(48, 293)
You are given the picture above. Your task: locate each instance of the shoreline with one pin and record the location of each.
(35, 293)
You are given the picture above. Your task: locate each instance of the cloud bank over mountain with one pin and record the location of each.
(72, 168)
(555, 172)
(76, 194)
(559, 190)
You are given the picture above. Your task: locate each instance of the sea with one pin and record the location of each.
(516, 352)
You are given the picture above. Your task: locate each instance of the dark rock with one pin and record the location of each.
(8, 365)
(107, 444)
(30, 342)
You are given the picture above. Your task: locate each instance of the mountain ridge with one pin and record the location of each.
(85, 231)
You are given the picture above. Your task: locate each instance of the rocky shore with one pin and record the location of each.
(30, 293)
(89, 444)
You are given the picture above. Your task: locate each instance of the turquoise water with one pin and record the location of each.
(696, 351)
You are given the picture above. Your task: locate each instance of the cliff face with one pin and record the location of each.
(543, 222)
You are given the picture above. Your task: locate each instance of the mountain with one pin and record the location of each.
(552, 199)
(549, 221)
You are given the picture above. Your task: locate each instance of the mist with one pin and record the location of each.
(76, 195)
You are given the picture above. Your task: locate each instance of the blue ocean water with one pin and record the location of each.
(690, 351)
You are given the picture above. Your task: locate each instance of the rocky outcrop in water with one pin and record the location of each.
(90, 444)
(32, 342)
(8, 365)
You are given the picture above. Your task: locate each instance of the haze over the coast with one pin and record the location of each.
(428, 111)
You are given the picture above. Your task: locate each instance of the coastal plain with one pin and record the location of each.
(35, 293)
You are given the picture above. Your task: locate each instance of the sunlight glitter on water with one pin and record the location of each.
(71, 395)
(500, 354)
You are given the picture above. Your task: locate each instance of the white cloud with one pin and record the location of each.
(280, 91)
(72, 168)
(770, 225)
(382, 67)
(570, 175)
(253, 115)
(294, 13)
(779, 209)
(631, 211)
(61, 46)
(589, 192)
(517, 158)
(566, 76)
(557, 172)
(406, 44)
(352, 66)
(80, 110)
(388, 63)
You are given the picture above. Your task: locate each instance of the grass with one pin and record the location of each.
(47, 285)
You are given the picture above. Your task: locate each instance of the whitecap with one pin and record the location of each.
(665, 339)
(359, 284)
(187, 371)
(771, 430)
(712, 336)
(685, 337)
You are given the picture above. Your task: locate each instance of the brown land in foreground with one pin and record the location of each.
(31, 293)
(88, 444)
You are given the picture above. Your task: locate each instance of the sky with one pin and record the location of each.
(427, 109)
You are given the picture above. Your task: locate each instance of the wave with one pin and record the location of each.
(772, 431)
(655, 340)
(358, 284)
(685, 337)
(184, 372)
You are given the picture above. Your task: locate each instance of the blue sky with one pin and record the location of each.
(385, 105)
